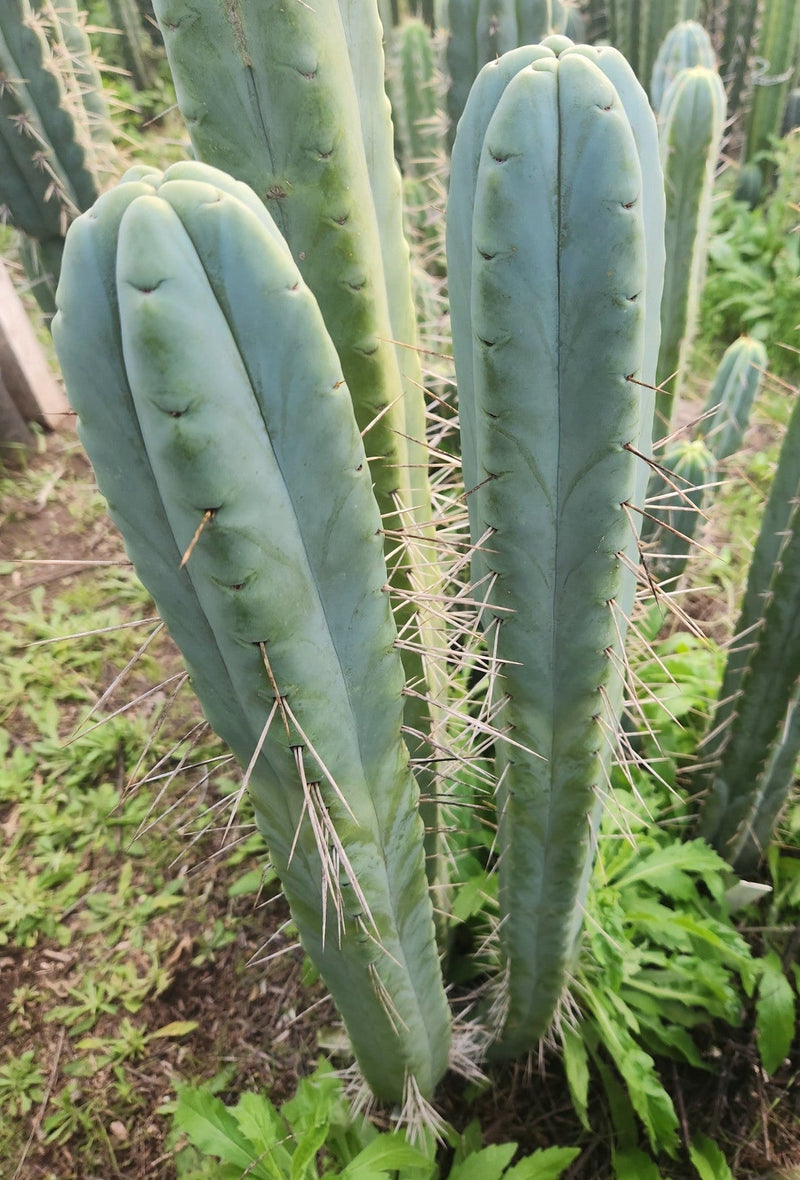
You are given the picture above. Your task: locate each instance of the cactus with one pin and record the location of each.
(208, 390)
(749, 185)
(53, 150)
(735, 387)
(675, 501)
(741, 18)
(686, 45)
(791, 112)
(289, 99)
(414, 83)
(414, 110)
(778, 43)
(753, 742)
(549, 344)
(134, 44)
(482, 30)
(690, 133)
(638, 27)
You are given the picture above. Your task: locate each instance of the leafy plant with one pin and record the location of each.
(315, 1137)
(754, 266)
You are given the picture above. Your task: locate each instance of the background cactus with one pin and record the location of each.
(638, 27)
(55, 149)
(481, 30)
(135, 48)
(180, 298)
(776, 53)
(738, 44)
(690, 133)
(685, 45)
(752, 747)
(548, 337)
(736, 385)
(675, 498)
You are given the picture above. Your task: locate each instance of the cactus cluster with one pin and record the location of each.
(55, 144)
(238, 339)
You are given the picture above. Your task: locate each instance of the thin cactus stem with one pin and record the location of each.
(690, 132)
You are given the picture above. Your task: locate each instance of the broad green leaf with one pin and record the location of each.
(672, 869)
(260, 1122)
(387, 1153)
(708, 1160)
(635, 1165)
(775, 1013)
(576, 1064)
(488, 1164)
(547, 1164)
(306, 1151)
(212, 1128)
(648, 1097)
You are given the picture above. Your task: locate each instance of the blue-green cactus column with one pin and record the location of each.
(209, 393)
(548, 237)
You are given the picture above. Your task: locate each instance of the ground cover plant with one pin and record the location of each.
(644, 959)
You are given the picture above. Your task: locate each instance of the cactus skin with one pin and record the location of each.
(778, 43)
(230, 396)
(686, 45)
(754, 737)
(690, 131)
(736, 384)
(554, 327)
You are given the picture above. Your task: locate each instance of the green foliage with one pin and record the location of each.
(754, 266)
(315, 1137)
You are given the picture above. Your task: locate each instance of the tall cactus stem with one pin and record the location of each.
(690, 130)
(226, 386)
(755, 720)
(551, 493)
